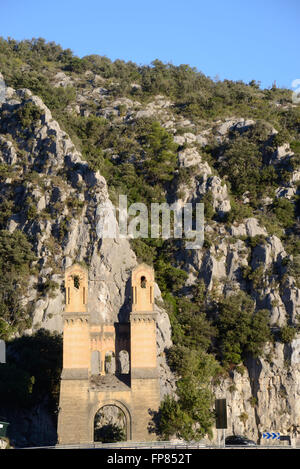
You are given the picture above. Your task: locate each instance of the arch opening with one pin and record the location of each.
(110, 363)
(76, 281)
(110, 424)
(143, 282)
(123, 362)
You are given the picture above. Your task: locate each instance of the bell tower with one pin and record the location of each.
(76, 351)
(73, 417)
(76, 283)
(143, 348)
(142, 321)
(90, 378)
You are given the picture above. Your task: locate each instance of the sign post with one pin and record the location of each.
(221, 418)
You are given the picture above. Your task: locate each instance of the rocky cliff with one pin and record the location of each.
(65, 195)
(57, 192)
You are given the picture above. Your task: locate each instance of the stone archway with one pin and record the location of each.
(114, 407)
(110, 425)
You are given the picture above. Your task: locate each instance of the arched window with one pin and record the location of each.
(110, 363)
(123, 362)
(76, 285)
(143, 282)
(110, 424)
(76, 281)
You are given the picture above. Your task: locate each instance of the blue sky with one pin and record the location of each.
(233, 39)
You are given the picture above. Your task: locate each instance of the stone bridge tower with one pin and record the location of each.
(93, 373)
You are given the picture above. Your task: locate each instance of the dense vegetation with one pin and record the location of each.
(16, 258)
(32, 371)
(211, 333)
(195, 94)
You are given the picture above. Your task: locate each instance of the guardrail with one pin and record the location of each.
(138, 445)
(158, 446)
(127, 445)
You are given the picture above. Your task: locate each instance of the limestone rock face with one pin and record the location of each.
(61, 79)
(266, 396)
(265, 254)
(204, 182)
(64, 195)
(158, 108)
(67, 195)
(250, 227)
(189, 157)
(8, 153)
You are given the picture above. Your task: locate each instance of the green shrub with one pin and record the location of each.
(29, 114)
(161, 159)
(281, 137)
(256, 240)
(284, 211)
(198, 331)
(16, 385)
(287, 334)
(169, 278)
(48, 287)
(239, 211)
(32, 211)
(6, 211)
(191, 416)
(16, 257)
(32, 372)
(144, 252)
(256, 276)
(241, 331)
(295, 146)
(110, 433)
(209, 210)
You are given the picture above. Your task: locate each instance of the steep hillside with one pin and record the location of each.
(77, 133)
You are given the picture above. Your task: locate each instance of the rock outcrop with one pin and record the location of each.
(59, 196)
(66, 195)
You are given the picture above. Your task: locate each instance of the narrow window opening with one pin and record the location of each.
(143, 282)
(76, 281)
(95, 362)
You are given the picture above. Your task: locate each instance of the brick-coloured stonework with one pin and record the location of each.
(93, 373)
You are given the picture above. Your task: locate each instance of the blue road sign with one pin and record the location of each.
(271, 435)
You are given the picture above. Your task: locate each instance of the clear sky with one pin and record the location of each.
(233, 39)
